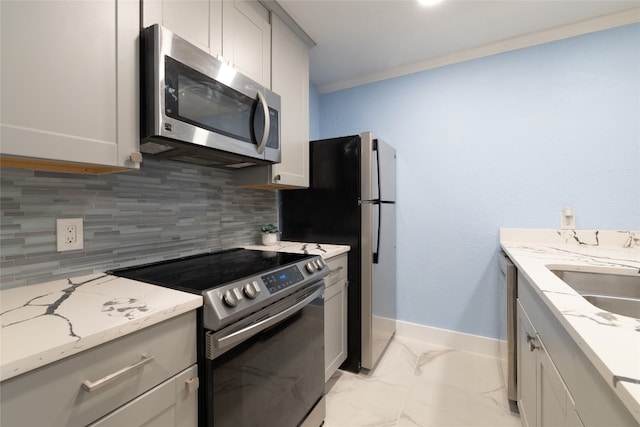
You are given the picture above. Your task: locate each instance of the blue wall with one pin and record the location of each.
(503, 141)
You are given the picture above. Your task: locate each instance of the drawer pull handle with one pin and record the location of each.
(93, 386)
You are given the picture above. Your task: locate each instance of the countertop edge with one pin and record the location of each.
(123, 326)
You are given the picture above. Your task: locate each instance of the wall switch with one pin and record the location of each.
(69, 234)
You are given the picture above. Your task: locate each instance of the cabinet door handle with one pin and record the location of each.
(192, 384)
(136, 157)
(90, 386)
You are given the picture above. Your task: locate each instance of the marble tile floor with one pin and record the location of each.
(421, 384)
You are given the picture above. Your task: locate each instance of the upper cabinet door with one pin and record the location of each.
(69, 83)
(197, 21)
(246, 39)
(290, 59)
(290, 80)
(236, 31)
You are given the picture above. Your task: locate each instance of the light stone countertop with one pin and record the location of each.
(47, 322)
(326, 251)
(610, 341)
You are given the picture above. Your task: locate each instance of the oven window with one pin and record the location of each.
(274, 379)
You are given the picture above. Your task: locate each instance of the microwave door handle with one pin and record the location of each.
(267, 123)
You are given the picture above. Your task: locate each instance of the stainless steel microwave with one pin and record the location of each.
(197, 109)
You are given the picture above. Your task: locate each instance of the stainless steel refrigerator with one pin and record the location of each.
(351, 200)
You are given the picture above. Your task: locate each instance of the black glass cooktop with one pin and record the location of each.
(199, 273)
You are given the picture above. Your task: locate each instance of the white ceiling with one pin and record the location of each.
(360, 41)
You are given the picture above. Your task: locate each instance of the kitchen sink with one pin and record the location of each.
(625, 306)
(613, 290)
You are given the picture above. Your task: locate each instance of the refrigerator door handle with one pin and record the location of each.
(376, 254)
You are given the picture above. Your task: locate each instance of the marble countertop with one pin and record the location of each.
(47, 322)
(610, 341)
(326, 251)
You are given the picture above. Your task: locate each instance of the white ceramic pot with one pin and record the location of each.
(269, 239)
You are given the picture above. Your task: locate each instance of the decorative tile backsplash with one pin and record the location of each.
(164, 210)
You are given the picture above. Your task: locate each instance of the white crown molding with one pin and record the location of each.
(589, 26)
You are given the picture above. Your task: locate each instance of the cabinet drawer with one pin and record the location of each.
(172, 403)
(57, 391)
(338, 269)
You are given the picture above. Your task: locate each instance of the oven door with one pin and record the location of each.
(269, 369)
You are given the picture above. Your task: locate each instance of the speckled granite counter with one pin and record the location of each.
(324, 250)
(610, 341)
(50, 321)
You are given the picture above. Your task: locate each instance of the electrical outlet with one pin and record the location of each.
(69, 234)
(567, 219)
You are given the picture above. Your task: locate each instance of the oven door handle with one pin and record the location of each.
(253, 329)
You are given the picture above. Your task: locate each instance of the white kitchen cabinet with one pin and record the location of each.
(290, 80)
(246, 39)
(68, 392)
(554, 402)
(197, 21)
(237, 31)
(543, 397)
(527, 378)
(557, 384)
(69, 83)
(335, 314)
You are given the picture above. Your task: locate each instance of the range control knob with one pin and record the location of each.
(231, 298)
(251, 290)
(319, 263)
(311, 267)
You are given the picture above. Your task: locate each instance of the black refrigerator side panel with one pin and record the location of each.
(328, 212)
(328, 209)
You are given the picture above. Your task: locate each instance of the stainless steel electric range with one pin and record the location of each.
(261, 334)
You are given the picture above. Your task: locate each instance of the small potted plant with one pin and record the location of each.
(269, 234)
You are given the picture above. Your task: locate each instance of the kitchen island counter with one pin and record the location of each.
(611, 342)
(47, 322)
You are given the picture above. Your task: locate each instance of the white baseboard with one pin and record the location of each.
(457, 340)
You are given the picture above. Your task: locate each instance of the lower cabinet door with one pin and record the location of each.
(526, 375)
(335, 327)
(172, 403)
(555, 405)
